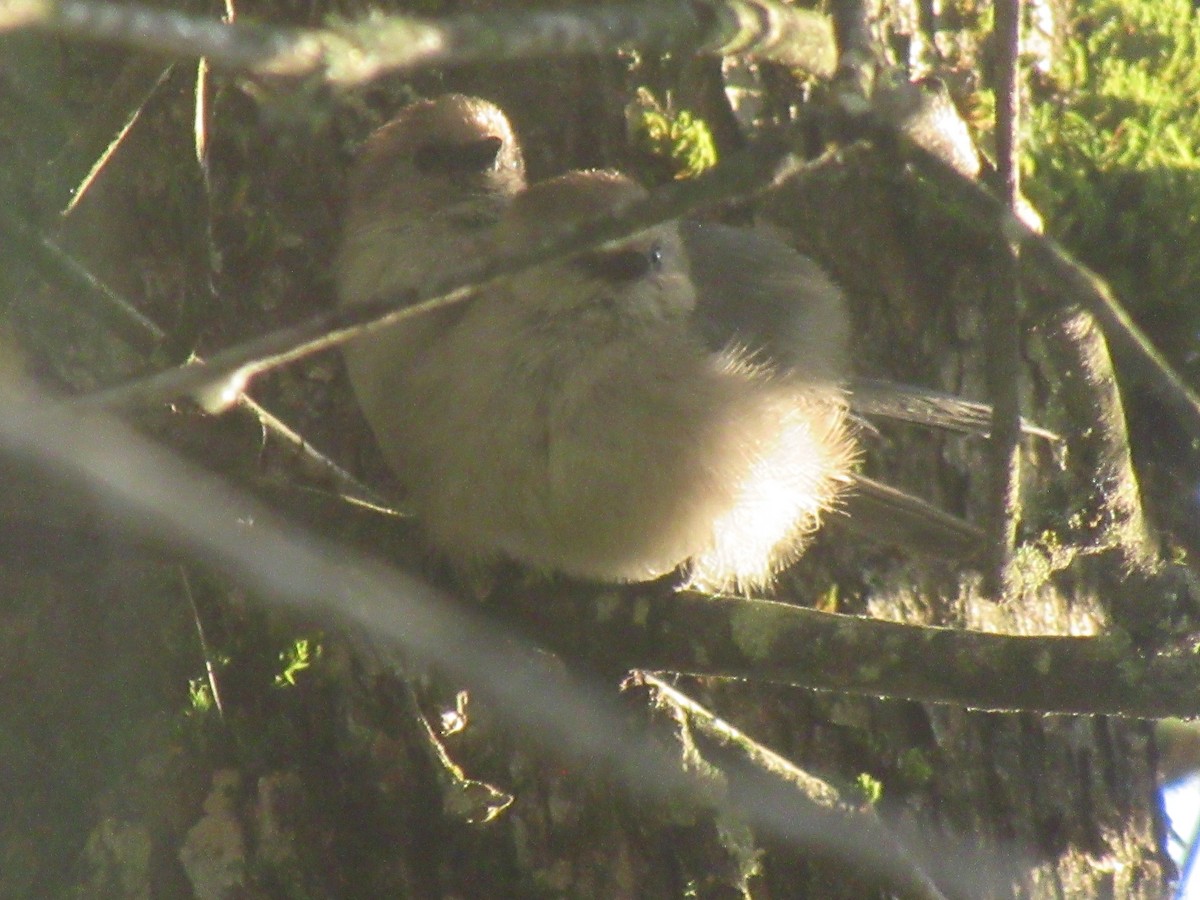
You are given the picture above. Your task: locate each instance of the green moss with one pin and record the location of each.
(1031, 568)
(200, 697)
(678, 138)
(1113, 156)
(870, 787)
(295, 658)
(916, 770)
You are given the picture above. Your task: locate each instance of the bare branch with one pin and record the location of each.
(145, 336)
(354, 52)
(221, 379)
(1053, 277)
(1157, 603)
(65, 180)
(769, 641)
(210, 663)
(743, 756)
(1098, 448)
(811, 788)
(51, 261)
(1004, 338)
(759, 640)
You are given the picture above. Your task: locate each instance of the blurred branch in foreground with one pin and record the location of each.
(351, 52)
(155, 493)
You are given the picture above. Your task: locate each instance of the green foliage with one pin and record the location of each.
(296, 657)
(200, 697)
(676, 137)
(1113, 157)
(870, 787)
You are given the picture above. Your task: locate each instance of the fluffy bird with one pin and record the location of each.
(578, 420)
(678, 398)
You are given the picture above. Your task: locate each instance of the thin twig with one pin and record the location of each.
(222, 378)
(806, 789)
(349, 488)
(466, 798)
(1003, 356)
(811, 788)
(354, 52)
(51, 261)
(65, 180)
(145, 336)
(140, 332)
(210, 666)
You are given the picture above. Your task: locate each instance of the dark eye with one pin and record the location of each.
(622, 265)
(450, 158)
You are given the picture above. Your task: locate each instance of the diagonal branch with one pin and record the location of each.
(48, 258)
(145, 336)
(1050, 276)
(354, 52)
(65, 180)
(749, 762)
(221, 379)
(1055, 280)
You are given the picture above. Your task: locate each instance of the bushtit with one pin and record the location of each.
(424, 193)
(577, 420)
(615, 415)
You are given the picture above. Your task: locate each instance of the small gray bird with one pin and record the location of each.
(578, 421)
(679, 398)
